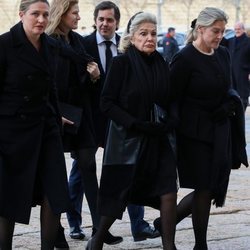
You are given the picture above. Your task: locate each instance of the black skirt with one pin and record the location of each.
(140, 184)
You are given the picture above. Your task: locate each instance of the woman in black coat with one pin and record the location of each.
(200, 76)
(74, 84)
(136, 80)
(32, 167)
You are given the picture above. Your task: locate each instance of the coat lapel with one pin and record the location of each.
(24, 49)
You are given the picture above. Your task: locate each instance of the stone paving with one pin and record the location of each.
(229, 227)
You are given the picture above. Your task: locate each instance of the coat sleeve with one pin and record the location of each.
(110, 98)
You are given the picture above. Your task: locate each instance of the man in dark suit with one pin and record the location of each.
(239, 47)
(106, 17)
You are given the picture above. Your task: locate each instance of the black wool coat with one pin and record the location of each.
(32, 161)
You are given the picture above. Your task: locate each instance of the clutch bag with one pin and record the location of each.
(72, 113)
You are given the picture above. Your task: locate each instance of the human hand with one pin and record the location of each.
(93, 70)
(66, 121)
(224, 111)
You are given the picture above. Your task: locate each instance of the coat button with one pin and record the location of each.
(26, 98)
(30, 77)
(23, 117)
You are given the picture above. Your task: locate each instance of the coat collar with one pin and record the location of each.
(26, 51)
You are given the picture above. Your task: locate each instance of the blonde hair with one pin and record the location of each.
(25, 4)
(206, 18)
(133, 26)
(57, 10)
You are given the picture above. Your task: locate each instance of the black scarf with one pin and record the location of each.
(152, 74)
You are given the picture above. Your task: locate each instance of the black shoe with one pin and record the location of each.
(147, 233)
(109, 239)
(157, 224)
(60, 239)
(76, 233)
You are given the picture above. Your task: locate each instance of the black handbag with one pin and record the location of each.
(120, 148)
(72, 113)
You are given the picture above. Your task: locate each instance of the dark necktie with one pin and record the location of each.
(108, 54)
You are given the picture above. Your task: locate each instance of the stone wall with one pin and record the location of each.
(172, 12)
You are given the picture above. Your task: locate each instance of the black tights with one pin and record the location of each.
(86, 163)
(197, 203)
(168, 213)
(98, 239)
(6, 233)
(49, 228)
(168, 220)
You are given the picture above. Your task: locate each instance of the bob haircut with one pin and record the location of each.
(133, 25)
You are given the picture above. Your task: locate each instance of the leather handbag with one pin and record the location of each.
(121, 148)
(159, 114)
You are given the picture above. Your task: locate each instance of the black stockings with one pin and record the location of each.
(197, 203)
(85, 160)
(6, 233)
(184, 208)
(168, 220)
(98, 238)
(49, 226)
(200, 216)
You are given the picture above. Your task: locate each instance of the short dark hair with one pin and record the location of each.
(170, 29)
(106, 5)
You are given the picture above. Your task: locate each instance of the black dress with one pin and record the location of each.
(125, 100)
(200, 83)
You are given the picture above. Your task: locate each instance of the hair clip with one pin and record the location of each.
(193, 23)
(131, 19)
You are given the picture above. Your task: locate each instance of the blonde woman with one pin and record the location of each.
(75, 83)
(32, 169)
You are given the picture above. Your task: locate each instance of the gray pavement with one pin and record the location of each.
(229, 227)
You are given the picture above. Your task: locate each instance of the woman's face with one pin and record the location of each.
(35, 19)
(145, 38)
(70, 19)
(211, 36)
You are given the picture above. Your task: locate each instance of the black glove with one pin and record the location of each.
(224, 111)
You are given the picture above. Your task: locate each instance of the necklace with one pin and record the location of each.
(205, 53)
